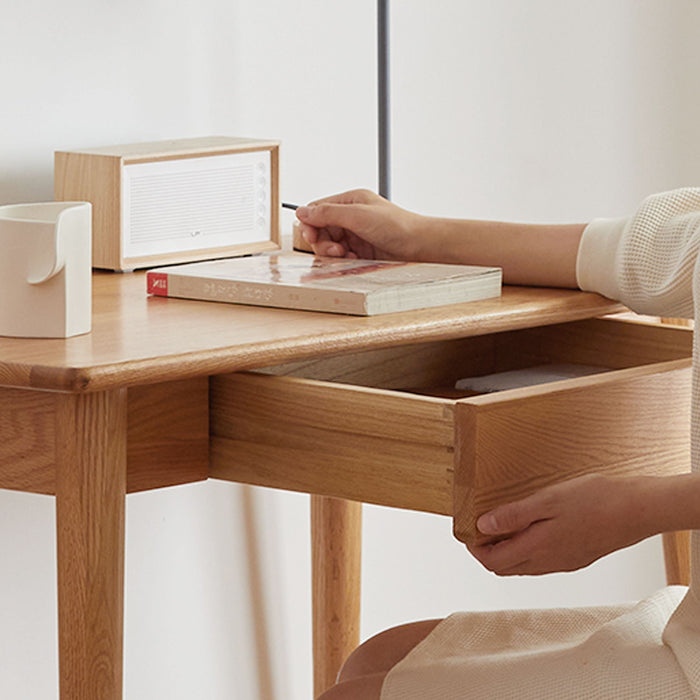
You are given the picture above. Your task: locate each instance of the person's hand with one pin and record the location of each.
(568, 525)
(360, 224)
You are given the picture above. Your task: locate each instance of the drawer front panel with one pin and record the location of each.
(514, 443)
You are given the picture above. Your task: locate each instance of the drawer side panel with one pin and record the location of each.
(365, 445)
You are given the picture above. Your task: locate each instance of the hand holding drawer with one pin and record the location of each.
(571, 524)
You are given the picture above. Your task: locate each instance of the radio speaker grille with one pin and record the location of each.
(196, 203)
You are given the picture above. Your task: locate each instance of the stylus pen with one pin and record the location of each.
(287, 205)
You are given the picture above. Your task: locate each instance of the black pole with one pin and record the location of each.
(384, 145)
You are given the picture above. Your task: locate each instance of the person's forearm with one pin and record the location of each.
(530, 254)
(673, 503)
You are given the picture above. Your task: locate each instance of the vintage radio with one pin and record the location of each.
(175, 201)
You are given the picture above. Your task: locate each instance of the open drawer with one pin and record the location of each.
(387, 426)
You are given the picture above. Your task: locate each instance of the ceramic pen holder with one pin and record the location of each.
(46, 269)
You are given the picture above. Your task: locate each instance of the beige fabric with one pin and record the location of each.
(651, 650)
(576, 654)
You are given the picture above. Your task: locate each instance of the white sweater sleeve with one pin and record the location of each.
(647, 261)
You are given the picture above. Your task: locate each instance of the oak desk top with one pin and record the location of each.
(137, 339)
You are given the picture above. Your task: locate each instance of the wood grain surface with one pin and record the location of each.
(137, 339)
(167, 436)
(336, 553)
(90, 502)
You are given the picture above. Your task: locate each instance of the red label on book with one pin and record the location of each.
(157, 283)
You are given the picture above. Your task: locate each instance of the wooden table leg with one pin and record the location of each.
(90, 501)
(677, 557)
(336, 553)
(677, 544)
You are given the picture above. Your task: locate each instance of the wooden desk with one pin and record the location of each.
(126, 408)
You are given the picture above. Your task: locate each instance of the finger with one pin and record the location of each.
(523, 568)
(512, 517)
(511, 556)
(532, 567)
(308, 233)
(328, 215)
(324, 233)
(502, 561)
(330, 249)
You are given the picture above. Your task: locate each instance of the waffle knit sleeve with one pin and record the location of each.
(646, 261)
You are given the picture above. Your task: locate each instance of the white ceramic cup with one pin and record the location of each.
(46, 269)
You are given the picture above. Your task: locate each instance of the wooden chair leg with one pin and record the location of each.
(677, 557)
(336, 553)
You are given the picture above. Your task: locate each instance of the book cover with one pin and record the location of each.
(336, 285)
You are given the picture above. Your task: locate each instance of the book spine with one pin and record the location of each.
(233, 292)
(157, 283)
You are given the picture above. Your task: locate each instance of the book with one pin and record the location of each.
(336, 285)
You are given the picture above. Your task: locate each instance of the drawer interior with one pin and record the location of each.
(434, 369)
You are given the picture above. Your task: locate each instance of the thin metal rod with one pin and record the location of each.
(383, 94)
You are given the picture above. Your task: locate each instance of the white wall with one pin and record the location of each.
(544, 110)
